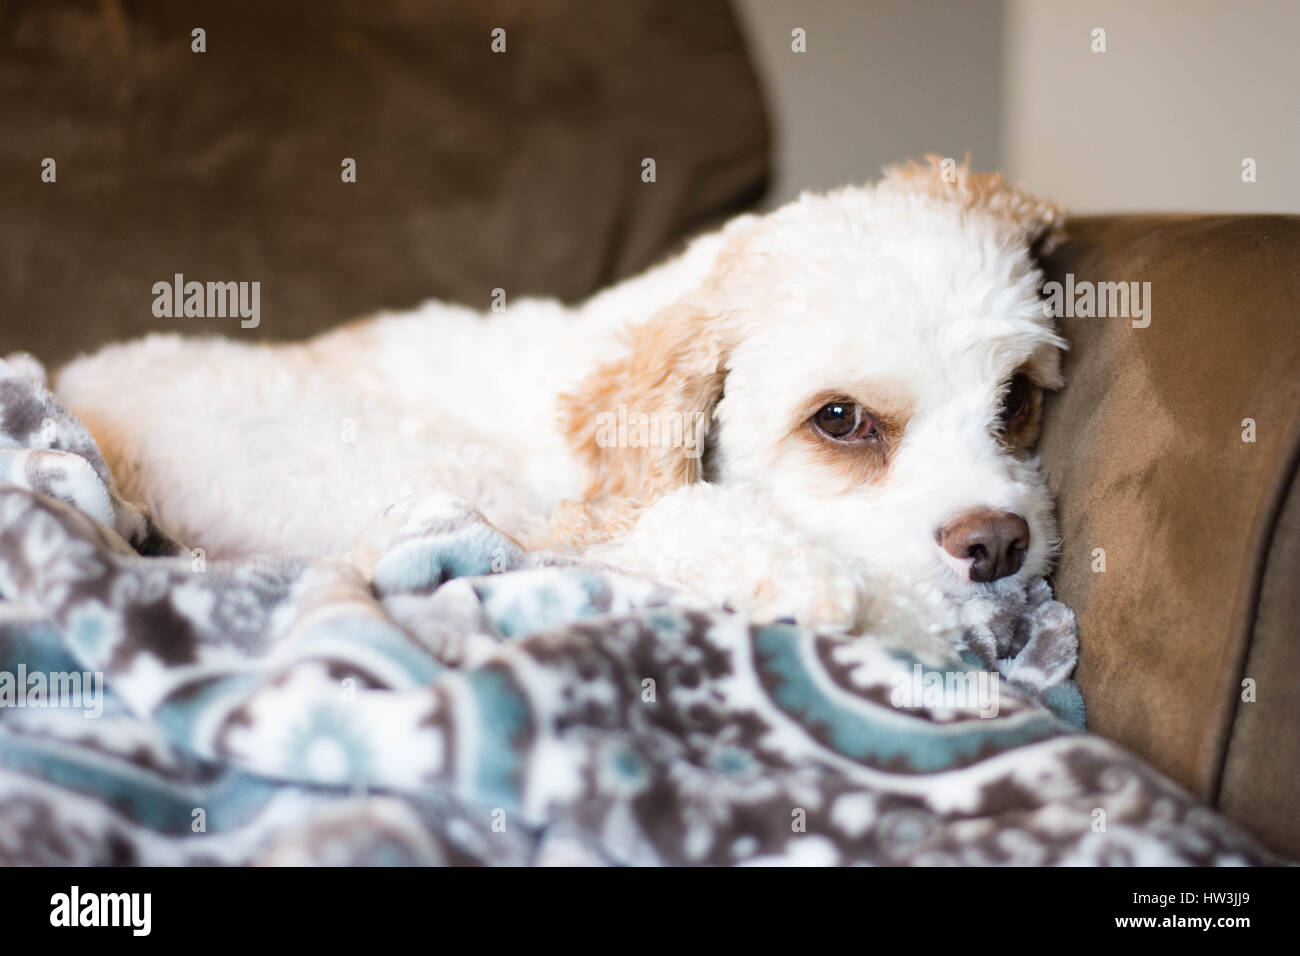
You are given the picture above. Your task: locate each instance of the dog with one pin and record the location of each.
(797, 413)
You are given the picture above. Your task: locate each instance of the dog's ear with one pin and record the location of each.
(670, 377)
(1041, 223)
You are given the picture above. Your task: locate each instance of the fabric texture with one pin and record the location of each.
(1146, 452)
(443, 697)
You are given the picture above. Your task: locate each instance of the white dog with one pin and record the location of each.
(798, 407)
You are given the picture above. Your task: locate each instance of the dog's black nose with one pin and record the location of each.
(994, 542)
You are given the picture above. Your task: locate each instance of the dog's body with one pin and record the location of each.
(846, 365)
(246, 448)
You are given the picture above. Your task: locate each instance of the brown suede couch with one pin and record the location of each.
(475, 170)
(1200, 529)
(523, 172)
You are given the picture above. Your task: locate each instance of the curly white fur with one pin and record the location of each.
(919, 293)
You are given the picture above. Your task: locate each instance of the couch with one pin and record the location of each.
(475, 170)
(1146, 452)
(523, 171)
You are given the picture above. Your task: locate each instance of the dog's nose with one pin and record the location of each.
(994, 542)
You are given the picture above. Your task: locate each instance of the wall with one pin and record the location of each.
(881, 81)
(1161, 121)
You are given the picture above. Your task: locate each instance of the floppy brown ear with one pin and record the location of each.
(1041, 223)
(673, 371)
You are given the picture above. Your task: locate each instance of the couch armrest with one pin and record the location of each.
(1200, 528)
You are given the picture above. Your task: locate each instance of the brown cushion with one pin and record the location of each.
(1261, 772)
(476, 170)
(1144, 451)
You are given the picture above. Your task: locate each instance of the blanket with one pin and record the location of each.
(442, 697)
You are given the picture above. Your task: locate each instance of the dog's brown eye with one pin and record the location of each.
(1015, 403)
(844, 421)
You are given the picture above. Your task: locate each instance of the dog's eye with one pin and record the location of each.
(845, 421)
(1017, 400)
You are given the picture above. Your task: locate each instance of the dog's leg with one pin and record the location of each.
(730, 546)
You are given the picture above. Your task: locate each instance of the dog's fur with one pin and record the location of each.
(918, 299)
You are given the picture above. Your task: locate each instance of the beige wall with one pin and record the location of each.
(882, 80)
(1161, 121)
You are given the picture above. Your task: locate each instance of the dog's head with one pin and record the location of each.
(874, 358)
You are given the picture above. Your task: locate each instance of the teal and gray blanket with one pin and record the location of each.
(444, 698)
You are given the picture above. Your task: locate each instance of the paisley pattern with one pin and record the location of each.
(444, 698)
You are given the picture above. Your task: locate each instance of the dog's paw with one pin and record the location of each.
(731, 548)
(816, 590)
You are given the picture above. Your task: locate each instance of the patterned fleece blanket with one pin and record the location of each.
(444, 698)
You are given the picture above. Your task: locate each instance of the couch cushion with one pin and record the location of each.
(1261, 772)
(475, 170)
(1144, 450)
